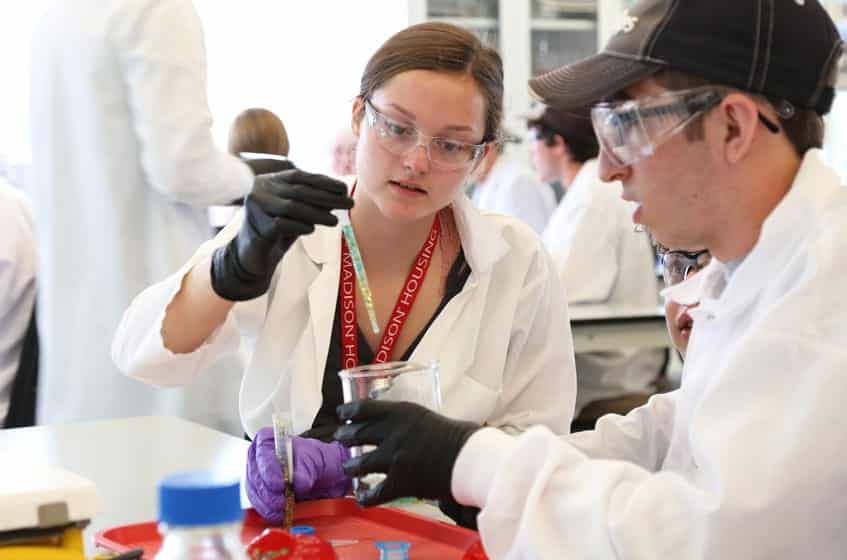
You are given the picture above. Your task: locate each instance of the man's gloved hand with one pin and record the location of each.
(281, 207)
(317, 473)
(416, 448)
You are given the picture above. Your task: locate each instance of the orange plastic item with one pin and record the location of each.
(339, 520)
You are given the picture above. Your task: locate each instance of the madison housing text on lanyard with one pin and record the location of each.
(411, 287)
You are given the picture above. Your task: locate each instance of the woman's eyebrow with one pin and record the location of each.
(411, 116)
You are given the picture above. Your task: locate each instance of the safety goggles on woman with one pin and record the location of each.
(677, 266)
(632, 130)
(400, 139)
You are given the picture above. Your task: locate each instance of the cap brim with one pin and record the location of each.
(585, 82)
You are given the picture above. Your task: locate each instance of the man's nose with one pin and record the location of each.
(608, 170)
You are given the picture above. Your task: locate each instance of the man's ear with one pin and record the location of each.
(740, 120)
(357, 115)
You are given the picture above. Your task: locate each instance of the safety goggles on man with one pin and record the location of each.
(401, 139)
(632, 130)
(677, 266)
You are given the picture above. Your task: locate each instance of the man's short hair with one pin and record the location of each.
(573, 126)
(805, 129)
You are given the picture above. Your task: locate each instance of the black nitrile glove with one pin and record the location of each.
(281, 207)
(262, 166)
(416, 448)
(464, 516)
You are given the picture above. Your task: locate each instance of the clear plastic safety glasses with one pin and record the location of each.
(677, 266)
(400, 139)
(632, 130)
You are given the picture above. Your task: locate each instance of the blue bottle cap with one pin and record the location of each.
(302, 530)
(199, 498)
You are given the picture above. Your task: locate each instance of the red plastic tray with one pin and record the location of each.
(333, 519)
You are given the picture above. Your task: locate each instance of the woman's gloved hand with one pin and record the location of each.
(281, 207)
(317, 473)
(416, 448)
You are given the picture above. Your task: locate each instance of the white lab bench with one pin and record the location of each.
(125, 459)
(598, 327)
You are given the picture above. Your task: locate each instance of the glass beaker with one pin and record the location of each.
(391, 381)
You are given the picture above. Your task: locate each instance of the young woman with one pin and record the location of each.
(488, 304)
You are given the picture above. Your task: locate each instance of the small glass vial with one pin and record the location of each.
(200, 518)
(393, 550)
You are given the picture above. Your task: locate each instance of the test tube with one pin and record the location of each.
(283, 450)
(358, 266)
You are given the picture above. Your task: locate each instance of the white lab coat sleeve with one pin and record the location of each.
(641, 437)
(138, 349)
(766, 477)
(587, 259)
(162, 57)
(539, 380)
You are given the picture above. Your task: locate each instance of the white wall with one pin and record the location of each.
(302, 60)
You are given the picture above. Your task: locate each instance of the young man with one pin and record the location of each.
(562, 142)
(745, 460)
(600, 259)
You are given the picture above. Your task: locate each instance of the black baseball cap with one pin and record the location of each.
(786, 50)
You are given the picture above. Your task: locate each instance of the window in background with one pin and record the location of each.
(482, 17)
(562, 31)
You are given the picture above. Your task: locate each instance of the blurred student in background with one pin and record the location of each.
(600, 258)
(17, 298)
(258, 137)
(678, 266)
(124, 167)
(343, 155)
(507, 186)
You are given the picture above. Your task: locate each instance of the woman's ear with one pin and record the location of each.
(357, 115)
(740, 116)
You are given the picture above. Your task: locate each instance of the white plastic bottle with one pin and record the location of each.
(200, 518)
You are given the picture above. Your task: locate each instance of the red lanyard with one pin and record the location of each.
(391, 332)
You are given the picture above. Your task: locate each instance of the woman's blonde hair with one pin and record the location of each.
(260, 131)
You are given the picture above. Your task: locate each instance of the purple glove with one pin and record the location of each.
(317, 473)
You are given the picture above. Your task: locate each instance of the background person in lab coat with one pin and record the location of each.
(124, 167)
(17, 292)
(718, 146)
(343, 154)
(488, 305)
(600, 259)
(507, 186)
(678, 266)
(258, 137)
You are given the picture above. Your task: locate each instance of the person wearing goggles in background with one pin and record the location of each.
(710, 115)
(678, 266)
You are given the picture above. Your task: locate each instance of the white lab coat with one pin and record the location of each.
(17, 284)
(511, 188)
(503, 343)
(746, 460)
(124, 167)
(602, 259)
